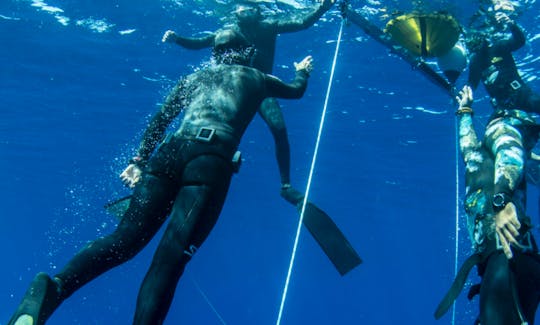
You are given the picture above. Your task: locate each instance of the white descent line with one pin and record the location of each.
(314, 159)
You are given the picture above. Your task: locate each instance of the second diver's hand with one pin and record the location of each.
(131, 175)
(306, 64)
(507, 226)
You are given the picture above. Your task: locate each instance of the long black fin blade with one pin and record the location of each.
(330, 238)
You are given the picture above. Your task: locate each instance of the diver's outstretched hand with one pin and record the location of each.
(169, 37)
(465, 98)
(507, 226)
(504, 5)
(327, 3)
(131, 175)
(503, 18)
(306, 64)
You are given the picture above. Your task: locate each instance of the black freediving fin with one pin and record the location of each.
(118, 207)
(458, 284)
(40, 301)
(332, 241)
(325, 231)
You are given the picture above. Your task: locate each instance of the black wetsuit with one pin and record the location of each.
(263, 35)
(187, 178)
(494, 65)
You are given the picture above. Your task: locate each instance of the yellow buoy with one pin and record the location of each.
(425, 35)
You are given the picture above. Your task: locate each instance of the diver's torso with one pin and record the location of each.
(227, 96)
(499, 73)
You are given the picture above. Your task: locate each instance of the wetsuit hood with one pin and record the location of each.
(231, 47)
(476, 42)
(247, 14)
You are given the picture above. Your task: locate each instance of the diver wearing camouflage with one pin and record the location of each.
(508, 292)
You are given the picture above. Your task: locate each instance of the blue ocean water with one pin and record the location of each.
(78, 83)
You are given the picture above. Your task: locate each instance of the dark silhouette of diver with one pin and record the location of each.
(491, 62)
(184, 175)
(262, 32)
(505, 251)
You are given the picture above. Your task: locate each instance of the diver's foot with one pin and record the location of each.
(39, 302)
(290, 194)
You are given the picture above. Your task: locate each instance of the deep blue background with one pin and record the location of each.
(74, 102)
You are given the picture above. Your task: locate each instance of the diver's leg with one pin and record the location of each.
(527, 275)
(506, 144)
(149, 207)
(195, 212)
(272, 115)
(496, 303)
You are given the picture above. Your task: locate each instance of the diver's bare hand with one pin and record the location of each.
(327, 3)
(131, 175)
(507, 226)
(503, 18)
(306, 64)
(503, 5)
(465, 98)
(169, 36)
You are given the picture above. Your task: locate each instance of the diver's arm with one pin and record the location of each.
(160, 121)
(512, 43)
(192, 43)
(301, 23)
(277, 88)
(517, 38)
(468, 139)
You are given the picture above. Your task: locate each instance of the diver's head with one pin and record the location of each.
(231, 47)
(247, 13)
(476, 42)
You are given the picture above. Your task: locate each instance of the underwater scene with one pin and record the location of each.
(269, 162)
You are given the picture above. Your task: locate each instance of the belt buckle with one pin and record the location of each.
(205, 134)
(515, 85)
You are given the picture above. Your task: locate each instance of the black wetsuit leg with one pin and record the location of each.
(496, 303)
(151, 203)
(528, 283)
(196, 209)
(497, 306)
(272, 114)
